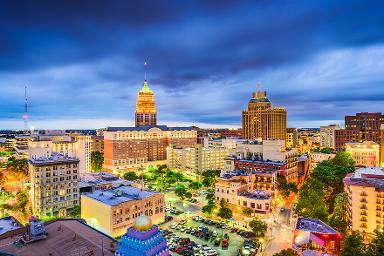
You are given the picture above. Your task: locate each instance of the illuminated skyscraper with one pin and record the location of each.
(145, 106)
(262, 120)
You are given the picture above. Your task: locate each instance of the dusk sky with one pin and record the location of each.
(83, 60)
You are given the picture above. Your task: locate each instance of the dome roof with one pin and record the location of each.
(142, 223)
(146, 88)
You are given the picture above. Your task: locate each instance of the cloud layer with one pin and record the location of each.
(83, 60)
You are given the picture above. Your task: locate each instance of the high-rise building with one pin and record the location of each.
(365, 194)
(98, 144)
(192, 161)
(368, 124)
(145, 107)
(327, 135)
(54, 184)
(365, 153)
(112, 211)
(262, 120)
(132, 147)
(359, 128)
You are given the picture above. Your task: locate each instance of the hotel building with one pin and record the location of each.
(365, 154)
(292, 138)
(135, 147)
(54, 184)
(192, 161)
(365, 190)
(97, 144)
(113, 211)
(263, 121)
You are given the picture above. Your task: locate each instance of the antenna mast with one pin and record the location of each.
(25, 116)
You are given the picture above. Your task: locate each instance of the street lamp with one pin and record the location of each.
(261, 240)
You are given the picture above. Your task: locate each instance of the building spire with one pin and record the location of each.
(25, 115)
(145, 70)
(258, 87)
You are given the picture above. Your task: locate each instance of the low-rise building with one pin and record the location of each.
(292, 138)
(365, 190)
(192, 161)
(318, 157)
(316, 236)
(113, 211)
(8, 224)
(365, 153)
(237, 191)
(91, 182)
(54, 185)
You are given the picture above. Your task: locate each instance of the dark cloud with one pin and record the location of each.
(88, 55)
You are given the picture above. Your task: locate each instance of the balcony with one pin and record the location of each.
(363, 193)
(363, 206)
(363, 200)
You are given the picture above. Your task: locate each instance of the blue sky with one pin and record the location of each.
(83, 60)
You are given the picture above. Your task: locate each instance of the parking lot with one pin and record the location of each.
(202, 237)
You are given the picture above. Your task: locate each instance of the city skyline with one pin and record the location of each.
(321, 61)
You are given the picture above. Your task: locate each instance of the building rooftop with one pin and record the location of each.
(147, 128)
(314, 225)
(119, 195)
(53, 159)
(256, 194)
(100, 178)
(368, 177)
(8, 224)
(64, 237)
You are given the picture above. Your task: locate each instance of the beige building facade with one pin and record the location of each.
(327, 135)
(365, 190)
(113, 211)
(192, 161)
(365, 153)
(54, 185)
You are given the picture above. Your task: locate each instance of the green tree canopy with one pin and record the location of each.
(209, 208)
(353, 245)
(258, 227)
(97, 160)
(225, 213)
(247, 211)
(376, 247)
(180, 191)
(344, 159)
(194, 185)
(131, 176)
(310, 203)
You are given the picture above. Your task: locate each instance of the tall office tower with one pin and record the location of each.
(368, 124)
(54, 185)
(262, 120)
(327, 135)
(145, 107)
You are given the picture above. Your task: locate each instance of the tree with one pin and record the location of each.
(284, 187)
(222, 203)
(287, 252)
(210, 195)
(311, 203)
(131, 176)
(207, 181)
(209, 208)
(225, 213)
(258, 227)
(75, 212)
(337, 218)
(188, 194)
(344, 159)
(195, 185)
(353, 245)
(180, 191)
(376, 247)
(247, 211)
(97, 160)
